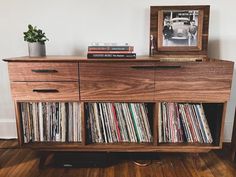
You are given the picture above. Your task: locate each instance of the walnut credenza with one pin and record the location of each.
(145, 80)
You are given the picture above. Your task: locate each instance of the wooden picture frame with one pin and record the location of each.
(179, 30)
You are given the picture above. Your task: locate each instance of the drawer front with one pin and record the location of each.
(40, 71)
(43, 91)
(203, 81)
(117, 81)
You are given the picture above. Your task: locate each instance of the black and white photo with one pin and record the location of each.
(180, 28)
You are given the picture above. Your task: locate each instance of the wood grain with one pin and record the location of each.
(30, 71)
(195, 81)
(155, 124)
(116, 81)
(122, 147)
(73, 59)
(24, 91)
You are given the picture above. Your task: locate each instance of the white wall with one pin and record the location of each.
(71, 25)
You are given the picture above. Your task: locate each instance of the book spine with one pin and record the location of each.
(117, 55)
(110, 48)
(109, 52)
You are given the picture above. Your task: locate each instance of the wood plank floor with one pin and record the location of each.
(16, 162)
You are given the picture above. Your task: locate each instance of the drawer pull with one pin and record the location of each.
(156, 67)
(46, 90)
(168, 67)
(143, 67)
(44, 70)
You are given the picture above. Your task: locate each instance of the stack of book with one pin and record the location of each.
(51, 121)
(113, 50)
(179, 122)
(118, 122)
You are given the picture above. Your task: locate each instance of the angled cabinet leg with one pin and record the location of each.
(196, 161)
(44, 156)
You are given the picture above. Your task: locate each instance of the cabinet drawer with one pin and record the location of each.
(117, 81)
(45, 91)
(40, 71)
(203, 81)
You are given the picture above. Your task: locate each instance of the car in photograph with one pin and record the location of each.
(180, 27)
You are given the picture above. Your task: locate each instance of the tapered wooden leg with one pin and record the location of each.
(43, 159)
(196, 161)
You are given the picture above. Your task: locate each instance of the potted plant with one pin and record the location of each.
(36, 41)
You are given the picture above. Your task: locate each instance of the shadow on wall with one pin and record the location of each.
(232, 102)
(214, 49)
(230, 111)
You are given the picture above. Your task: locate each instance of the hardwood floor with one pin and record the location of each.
(16, 162)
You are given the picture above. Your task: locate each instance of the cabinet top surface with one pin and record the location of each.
(162, 58)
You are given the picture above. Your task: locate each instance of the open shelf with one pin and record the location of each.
(50, 122)
(213, 113)
(119, 123)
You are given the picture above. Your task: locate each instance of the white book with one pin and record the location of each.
(79, 123)
(41, 121)
(34, 111)
(63, 121)
(109, 44)
(160, 123)
(75, 119)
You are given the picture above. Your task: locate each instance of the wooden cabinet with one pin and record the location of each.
(43, 71)
(142, 80)
(43, 91)
(196, 81)
(120, 81)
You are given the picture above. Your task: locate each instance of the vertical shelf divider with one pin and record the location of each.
(19, 123)
(155, 124)
(222, 124)
(83, 123)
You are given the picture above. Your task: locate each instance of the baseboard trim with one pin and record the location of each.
(7, 120)
(8, 129)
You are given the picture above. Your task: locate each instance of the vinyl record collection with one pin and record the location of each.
(118, 122)
(183, 122)
(51, 121)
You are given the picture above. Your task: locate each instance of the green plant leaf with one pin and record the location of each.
(34, 35)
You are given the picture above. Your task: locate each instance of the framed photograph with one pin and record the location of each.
(179, 29)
